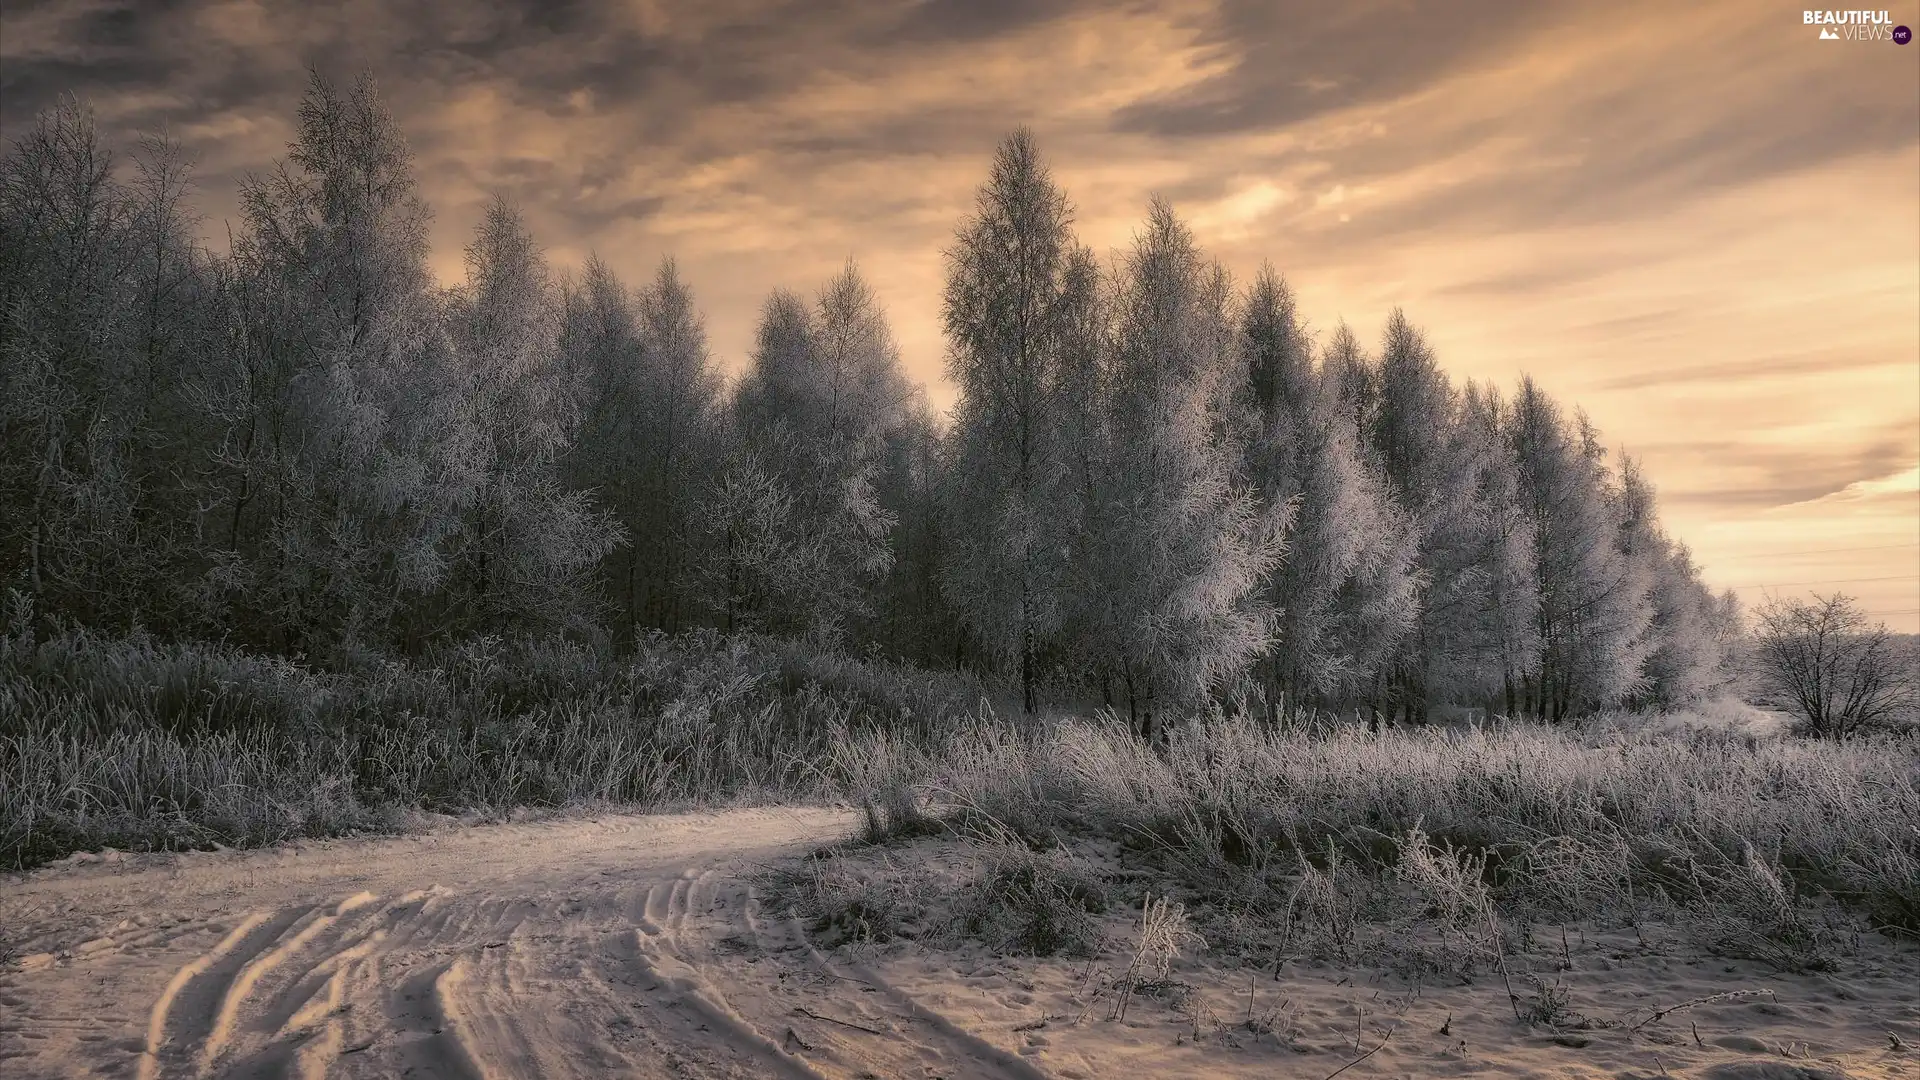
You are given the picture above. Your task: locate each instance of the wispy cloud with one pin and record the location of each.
(1902, 486)
(1695, 220)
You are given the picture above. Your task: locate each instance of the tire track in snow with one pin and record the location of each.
(572, 950)
(157, 1025)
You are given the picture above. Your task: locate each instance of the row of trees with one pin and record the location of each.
(1157, 486)
(1165, 485)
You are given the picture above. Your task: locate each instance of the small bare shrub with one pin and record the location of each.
(1840, 672)
(1450, 887)
(1552, 1006)
(1755, 913)
(1164, 932)
(847, 900)
(1040, 903)
(1321, 916)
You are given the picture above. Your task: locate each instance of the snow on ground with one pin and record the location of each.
(637, 946)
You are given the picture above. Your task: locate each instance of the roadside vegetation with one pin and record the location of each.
(1428, 851)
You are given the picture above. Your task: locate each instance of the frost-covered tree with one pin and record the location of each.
(526, 544)
(1011, 297)
(650, 416)
(1179, 545)
(1343, 592)
(173, 346)
(682, 398)
(1688, 646)
(1378, 607)
(1085, 437)
(103, 298)
(1593, 613)
(599, 339)
(1355, 379)
(914, 619)
(1826, 661)
(62, 217)
(753, 564)
(597, 361)
(1441, 452)
(341, 459)
(1496, 630)
(816, 408)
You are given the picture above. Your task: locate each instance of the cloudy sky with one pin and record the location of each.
(1700, 222)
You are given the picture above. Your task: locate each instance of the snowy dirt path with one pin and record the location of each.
(606, 947)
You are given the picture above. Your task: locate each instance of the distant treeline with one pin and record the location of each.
(1156, 486)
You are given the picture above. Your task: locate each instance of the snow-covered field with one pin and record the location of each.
(639, 946)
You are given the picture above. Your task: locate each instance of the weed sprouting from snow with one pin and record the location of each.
(1163, 934)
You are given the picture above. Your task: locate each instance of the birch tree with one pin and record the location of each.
(1006, 312)
(527, 545)
(340, 460)
(1593, 614)
(1183, 547)
(1342, 593)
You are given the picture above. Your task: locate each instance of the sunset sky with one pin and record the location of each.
(1699, 222)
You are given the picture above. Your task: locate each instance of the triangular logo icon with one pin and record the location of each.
(1829, 35)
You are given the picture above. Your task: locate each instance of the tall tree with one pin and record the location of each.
(66, 401)
(815, 411)
(1495, 637)
(603, 359)
(174, 309)
(914, 620)
(1593, 612)
(341, 460)
(526, 544)
(1343, 593)
(1179, 544)
(1010, 300)
(681, 396)
(1441, 451)
(109, 354)
(1084, 436)
(1688, 645)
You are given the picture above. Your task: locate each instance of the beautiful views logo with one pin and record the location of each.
(1857, 26)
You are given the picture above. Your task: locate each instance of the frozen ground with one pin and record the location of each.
(637, 946)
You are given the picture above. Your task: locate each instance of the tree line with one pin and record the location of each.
(1157, 487)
